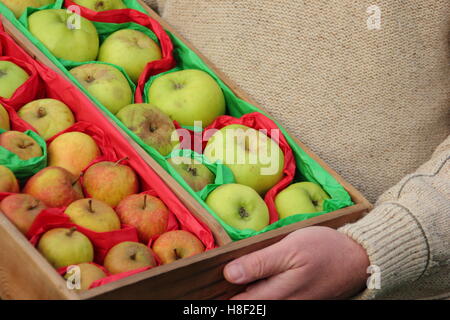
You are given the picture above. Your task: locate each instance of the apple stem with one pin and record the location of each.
(177, 256)
(145, 202)
(2, 73)
(34, 206)
(133, 256)
(90, 206)
(193, 171)
(41, 112)
(243, 213)
(119, 161)
(71, 231)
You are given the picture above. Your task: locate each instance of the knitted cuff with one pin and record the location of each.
(396, 246)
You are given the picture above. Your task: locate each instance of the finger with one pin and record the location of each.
(277, 287)
(257, 265)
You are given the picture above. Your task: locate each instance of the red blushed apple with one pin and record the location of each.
(128, 256)
(19, 143)
(110, 182)
(54, 186)
(21, 210)
(175, 245)
(8, 181)
(147, 214)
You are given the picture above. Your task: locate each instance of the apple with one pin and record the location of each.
(188, 96)
(72, 151)
(128, 256)
(19, 6)
(177, 244)
(54, 186)
(67, 35)
(196, 174)
(20, 144)
(86, 273)
(255, 159)
(4, 119)
(21, 210)
(105, 83)
(110, 182)
(64, 247)
(151, 125)
(8, 181)
(298, 198)
(11, 78)
(239, 206)
(94, 215)
(47, 116)
(101, 5)
(130, 49)
(146, 213)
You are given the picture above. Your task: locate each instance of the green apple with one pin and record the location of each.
(255, 159)
(298, 198)
(105, 83)
(64, 247)
(4, 119)
(188, 96)
(11, 78)
(130, 49)
(67, 35)
(101, 5)
(94, 215)
(196, 174)
(47, 116)
(239, 206)
(86, 273)
(19, 6)
(151, 125)
(20, 144)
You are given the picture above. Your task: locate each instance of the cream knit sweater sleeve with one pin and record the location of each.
(407, 235)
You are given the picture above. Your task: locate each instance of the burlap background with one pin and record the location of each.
(374, 104)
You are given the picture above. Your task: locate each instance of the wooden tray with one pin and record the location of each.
(25, 274)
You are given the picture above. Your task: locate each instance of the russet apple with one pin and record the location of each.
(146, 213)
(196, 174)
(110, 182)
(4, 119)
(188, 96)
(8, 181)
(19, 6)
(105, 83)
(94, 215)
(86, 273)
(300, 198)
(21, 210)
(177, 244)
(47, 116)
(239, 206)
(20, 144)
(101, 5)
(150, 124)
(67, 35)
(128, 256)
(72, 151)
(64, 247)
(54, 186)
(255, 159)
(130, 49)
(11, 78)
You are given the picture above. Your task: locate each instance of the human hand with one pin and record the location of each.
(310, 263)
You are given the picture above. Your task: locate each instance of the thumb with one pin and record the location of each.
(257, 265)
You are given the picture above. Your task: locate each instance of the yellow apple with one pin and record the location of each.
(19, 6)
(72, 151)
(21, 210)
(8, 181)
(20, 144)
(128, 256)
(87, 274)
(4, 119)
(177, 244)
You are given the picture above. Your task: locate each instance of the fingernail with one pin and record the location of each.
(235, 272)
